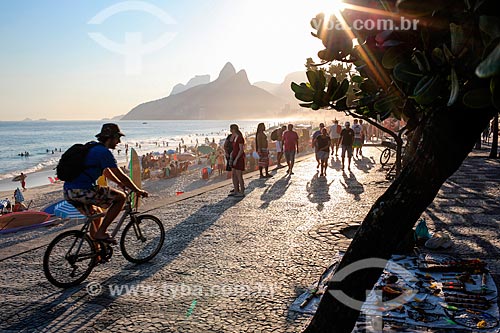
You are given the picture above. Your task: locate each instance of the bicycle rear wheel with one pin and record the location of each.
(142, 238)
(69, 259)
(385, 156)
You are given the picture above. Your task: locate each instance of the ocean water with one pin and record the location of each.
(40, 138)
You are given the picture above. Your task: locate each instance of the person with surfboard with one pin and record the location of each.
(84, 190)
(21, 178)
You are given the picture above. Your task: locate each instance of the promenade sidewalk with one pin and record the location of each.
(236, 264)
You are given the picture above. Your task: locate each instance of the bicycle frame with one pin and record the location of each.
(128, 211)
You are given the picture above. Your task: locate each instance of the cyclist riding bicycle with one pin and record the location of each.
(84, 190)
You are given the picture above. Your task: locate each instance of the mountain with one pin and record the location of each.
(119, 117)
(283, 90)
(195, 81)
(230, 96)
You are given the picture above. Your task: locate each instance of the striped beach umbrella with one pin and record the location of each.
(66, 210)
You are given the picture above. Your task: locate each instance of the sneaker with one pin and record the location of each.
(231, 194)
(239, 195)
(291, 173)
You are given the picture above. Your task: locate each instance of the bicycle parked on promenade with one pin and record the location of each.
(71, 256)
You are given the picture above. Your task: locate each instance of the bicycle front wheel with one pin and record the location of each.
(69, 259)
(385, 156)
(142, 239)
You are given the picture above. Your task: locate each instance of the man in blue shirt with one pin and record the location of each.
(100, 161)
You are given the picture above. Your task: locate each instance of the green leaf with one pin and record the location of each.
(296, 88)
(332, 86)
(407, 73)
(455, 88)
(491, 65)
(341, 90)
(457, 38)
(312, 76)
(304, 97)
(387, 104)
(490, 25)
(315, 106)
(357, 79)
(321, 83)
(438, 56)
(416, 7)
(341, 104)
(477, 98)
(306, 105)
(392, 57)
(427, 90)
(326, 55)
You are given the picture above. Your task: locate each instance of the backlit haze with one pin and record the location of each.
(52, 67)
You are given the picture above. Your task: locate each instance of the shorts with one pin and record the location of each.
(290, 156)
(101, 196)
(347, 149)
(357, 143)
(335, 141)
(322, 155)
(279, 146)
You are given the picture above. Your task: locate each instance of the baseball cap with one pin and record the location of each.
(109, 130)
(321, 125)
(347, 123)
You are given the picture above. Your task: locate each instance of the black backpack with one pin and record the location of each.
(72, 162)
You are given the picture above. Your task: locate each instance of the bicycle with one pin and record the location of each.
(72, 255)
(388, 152)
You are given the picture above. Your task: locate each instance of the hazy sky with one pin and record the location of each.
(51, 67)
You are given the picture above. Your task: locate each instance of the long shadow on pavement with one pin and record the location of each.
(364, 164)
(318, 191)
(51, 315)
(276, 191)
(352, 186)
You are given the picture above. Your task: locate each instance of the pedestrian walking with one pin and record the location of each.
(279, 146)
(335, 130)
(237, 161)
(323, 146)
(261, 147)
(346, 142)
(358, 129)
(291, 145)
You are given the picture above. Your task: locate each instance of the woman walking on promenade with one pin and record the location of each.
(323, 147)
(237, 161)
(261, 146)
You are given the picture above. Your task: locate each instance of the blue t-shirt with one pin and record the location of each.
(98, 158)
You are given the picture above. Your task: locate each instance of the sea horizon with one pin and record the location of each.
(46, 141)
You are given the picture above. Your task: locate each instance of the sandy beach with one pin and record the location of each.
(189, 180)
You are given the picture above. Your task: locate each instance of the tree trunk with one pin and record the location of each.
(494, 142)
(439, 154)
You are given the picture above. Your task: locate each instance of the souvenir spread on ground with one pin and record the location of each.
(428, 292)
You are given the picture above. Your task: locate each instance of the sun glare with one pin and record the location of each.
(327, 6)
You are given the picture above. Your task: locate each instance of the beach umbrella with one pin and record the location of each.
(170, 151)
(205, 150)
(67, 210)
(185, 157)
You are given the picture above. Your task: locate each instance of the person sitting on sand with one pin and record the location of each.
(83, 189)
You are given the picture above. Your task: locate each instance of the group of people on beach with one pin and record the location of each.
(349, 139)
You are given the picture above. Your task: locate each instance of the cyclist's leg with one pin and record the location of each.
(114, 200)
(96, 223)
